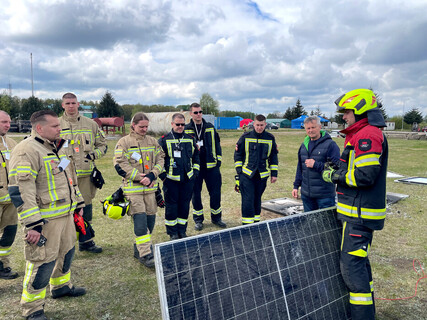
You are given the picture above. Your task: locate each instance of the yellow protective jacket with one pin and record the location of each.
(134, 155)
(41, 184)
(6, 146)
(85, 139)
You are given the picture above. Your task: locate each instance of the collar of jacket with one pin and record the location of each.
(323, 136)
(55, 144)
(135, 135)
(71, 118)
(355, 127)
(193, 124)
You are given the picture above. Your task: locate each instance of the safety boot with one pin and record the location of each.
(90, 246)
(198, 226)
(220, 223)
(67, 292)
(38, 315)
(8, 274)
(147, 260)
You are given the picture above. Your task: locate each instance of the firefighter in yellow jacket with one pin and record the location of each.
(138, 159)
(8, 217)
(42, 186)
(86, 143)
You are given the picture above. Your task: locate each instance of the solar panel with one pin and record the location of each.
(285, 268)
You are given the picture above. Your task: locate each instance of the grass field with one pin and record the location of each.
(120, 288)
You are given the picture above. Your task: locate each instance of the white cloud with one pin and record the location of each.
(264, 54)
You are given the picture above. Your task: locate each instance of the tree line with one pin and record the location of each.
(108, 107)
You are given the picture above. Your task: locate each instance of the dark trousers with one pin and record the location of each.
(251, 191)
(212, 178)
(311, 204)
(356, 270)
(177, 201)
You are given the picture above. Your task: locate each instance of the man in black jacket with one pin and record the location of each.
(210, 160)
(181, 169)
(317, 149)
(255, 159)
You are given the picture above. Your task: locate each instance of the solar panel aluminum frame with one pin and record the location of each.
(289, 246)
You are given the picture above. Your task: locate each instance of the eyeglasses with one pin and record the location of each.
(197, 112)
(180, 124)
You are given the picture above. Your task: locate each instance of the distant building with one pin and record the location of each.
(87, 112)
(391, 125)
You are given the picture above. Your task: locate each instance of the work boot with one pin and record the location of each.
(8, 274)
(220, 223)
(90, 247)
(182, 235)
(198, 226)
(66, 291)
(174, 237)
(38, 315)
(147, 260)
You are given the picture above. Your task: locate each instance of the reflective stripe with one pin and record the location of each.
(238, 164)
(359, 253)
(175, 178)
(274, 167)
(29, 212)
(219, 158)
(371, 284)
(247, 220)
(247, 171)
(198, 212)
(196, 166)
(171, 223)
(264, 174)
(158, 167)
(5, 198)
(210, 165)
(54, 211)
(133, 174)
(349, 176)
(367, 160)
(190, 173)
(217, 211)
(60, 280)
(361, 298)
(257, 217)
(342, 236)
(143, 239)
(26, 296)
(182, 221)
(5, 251)
(366, 213)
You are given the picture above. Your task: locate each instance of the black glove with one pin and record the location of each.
(96, 178)
(90, 156)
(237, 186)
(159, 198)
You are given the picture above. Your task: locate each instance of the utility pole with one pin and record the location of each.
(32, 80)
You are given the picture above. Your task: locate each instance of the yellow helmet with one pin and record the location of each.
(113, 210)
(359, 100)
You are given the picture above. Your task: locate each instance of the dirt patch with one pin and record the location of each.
(402, 263)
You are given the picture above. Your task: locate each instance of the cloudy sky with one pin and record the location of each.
(249, 55)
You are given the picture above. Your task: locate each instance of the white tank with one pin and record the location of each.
(160, 122)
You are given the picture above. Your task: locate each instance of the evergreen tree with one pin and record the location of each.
(55, 105)
(298, 110)
(288, 114)
(108, 107)
(414, 115)
(31, 105)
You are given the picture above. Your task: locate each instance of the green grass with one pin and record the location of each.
(120, 288)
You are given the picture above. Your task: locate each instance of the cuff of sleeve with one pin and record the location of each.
(151, 176)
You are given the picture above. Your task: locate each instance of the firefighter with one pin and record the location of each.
(181, 169)
(8, 216)
(255, 159)
(43, 188)
(139, 160)
(361, 189)
(86, 142)
(210, 154)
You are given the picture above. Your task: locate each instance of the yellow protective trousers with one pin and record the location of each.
(48, 264)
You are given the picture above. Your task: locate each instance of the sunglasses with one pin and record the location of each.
(197, 112)
(180, 124)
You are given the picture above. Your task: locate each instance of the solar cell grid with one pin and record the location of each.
(285, 268)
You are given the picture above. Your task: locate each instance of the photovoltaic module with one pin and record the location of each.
(285, 268)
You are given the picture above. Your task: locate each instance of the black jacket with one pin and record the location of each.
(310, 179)
(188, 164)
(210, 152)
(256, 152)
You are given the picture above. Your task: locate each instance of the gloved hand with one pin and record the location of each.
(90, 156)
(330, 164)
(159, 198)
(327, 175)
(237, 186)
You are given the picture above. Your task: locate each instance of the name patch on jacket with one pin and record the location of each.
(365, 144)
